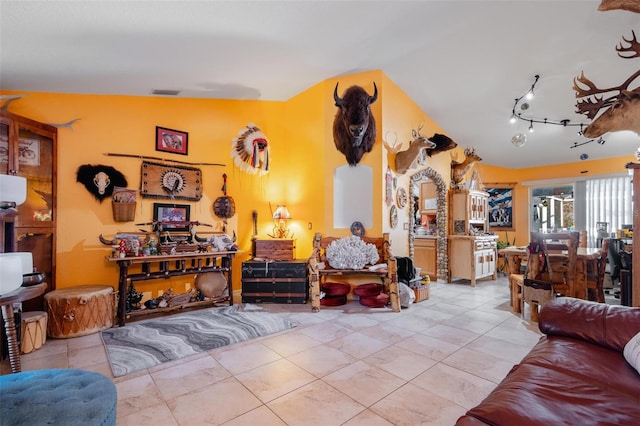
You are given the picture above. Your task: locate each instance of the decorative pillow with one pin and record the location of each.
(632, 352)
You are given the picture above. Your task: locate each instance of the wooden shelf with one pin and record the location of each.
(164, 266)
(172, 309)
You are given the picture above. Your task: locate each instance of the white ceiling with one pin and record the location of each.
(462, 62)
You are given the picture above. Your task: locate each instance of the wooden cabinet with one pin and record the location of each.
(469, 212)
(472, 252)
(28, 149)
(472, 257)
(428, 196)
(426, 256)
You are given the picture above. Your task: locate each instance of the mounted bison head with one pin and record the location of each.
(354, 127)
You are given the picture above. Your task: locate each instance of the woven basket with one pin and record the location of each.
(123, 212)
(422, 293)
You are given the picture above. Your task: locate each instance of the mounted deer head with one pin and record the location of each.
(459, 170)
(407, 158)
(622, 109)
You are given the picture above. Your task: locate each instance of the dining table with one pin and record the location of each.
(587, 260)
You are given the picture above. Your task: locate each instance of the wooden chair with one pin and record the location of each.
(318, 273)
(583, 239)
(560, 252)
(595, 278)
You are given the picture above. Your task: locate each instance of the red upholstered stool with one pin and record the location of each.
(370, 289)
(335, 288)
(379, 301)
(333, 300)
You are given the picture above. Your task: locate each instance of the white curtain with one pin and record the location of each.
(608, 200)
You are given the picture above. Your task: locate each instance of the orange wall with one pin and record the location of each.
(303, 159)
(579, 171)
(400, 115)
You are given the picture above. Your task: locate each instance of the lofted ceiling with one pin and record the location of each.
(462, 62)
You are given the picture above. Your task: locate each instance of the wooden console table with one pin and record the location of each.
(7, 301)
(165, 266)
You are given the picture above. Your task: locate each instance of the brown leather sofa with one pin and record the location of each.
(575, 375)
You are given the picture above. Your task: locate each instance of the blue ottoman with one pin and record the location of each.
(57, 397)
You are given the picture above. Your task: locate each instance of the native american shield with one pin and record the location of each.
(170, 181)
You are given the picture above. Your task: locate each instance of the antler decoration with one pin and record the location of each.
(634, 47)
(593, 103)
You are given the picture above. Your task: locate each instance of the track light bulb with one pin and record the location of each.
(529, 95)
(531, 127)
(513, 119)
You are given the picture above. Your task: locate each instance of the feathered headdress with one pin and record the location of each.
(250, 150)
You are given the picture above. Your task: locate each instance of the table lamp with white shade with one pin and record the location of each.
(13, 192)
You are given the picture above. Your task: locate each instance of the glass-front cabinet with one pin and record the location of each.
(28, 149)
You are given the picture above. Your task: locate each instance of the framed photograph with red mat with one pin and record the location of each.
(174, 141)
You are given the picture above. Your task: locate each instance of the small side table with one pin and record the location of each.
(6, 302)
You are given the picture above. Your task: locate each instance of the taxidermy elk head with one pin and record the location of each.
(621, 110)
(100, 180)
(630, 5)
(354, 127)
(459, 170)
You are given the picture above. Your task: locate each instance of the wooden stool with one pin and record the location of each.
(34, 331)
(78, 311)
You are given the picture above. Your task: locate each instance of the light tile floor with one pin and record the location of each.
(347, 365)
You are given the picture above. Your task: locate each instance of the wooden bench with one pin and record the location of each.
(318, 272)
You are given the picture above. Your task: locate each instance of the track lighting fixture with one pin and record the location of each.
(600, 141)
(524, 106)
(565, 122)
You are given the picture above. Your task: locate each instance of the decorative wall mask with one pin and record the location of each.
(250, 150)
(354, 127)
(170, 181)
(100, 179)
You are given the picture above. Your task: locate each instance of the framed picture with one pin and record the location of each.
(168, 213)
(501, 205)
(174, 141)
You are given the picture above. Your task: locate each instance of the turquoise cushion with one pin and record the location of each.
(57, 397)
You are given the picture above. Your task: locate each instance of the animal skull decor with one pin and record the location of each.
(100, 180)
(354, 127)
(250, 150)
(621, 109)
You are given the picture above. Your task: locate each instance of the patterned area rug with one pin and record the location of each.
(148, 343)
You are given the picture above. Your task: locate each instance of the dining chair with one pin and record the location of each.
(557, 272)
(583, 239)
(595, 278)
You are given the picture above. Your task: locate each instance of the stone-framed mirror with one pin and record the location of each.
(435, 231)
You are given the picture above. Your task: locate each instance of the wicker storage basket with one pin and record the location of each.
(123, 212)
(421, 292)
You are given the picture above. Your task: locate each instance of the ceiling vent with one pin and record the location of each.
(165, 92)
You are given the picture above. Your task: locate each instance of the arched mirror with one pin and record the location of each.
(428, 223)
